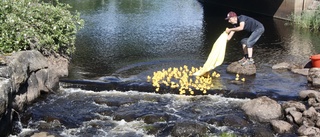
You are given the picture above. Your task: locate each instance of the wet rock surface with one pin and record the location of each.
(23, 77)
(189, 128)
(237, 68)
(262, 109)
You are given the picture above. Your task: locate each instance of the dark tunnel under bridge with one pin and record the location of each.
(281, 9)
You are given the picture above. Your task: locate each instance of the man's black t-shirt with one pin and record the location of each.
(250, 24)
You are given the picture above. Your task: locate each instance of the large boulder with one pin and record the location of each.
(23, 76)
(30, 75)
(22, 64)
(237, 68)
(263, 109)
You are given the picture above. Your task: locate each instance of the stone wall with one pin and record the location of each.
(24, 76)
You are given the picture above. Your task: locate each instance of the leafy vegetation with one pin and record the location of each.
(31, 24)
(308, 20)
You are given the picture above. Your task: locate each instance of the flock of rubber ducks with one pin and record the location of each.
(182, 78)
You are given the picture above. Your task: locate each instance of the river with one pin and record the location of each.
(124, 41)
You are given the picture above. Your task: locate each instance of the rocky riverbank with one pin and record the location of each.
(24, 76)
(298, 117)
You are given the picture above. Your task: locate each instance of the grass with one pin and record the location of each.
(308, 20)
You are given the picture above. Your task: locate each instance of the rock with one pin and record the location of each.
(314, 77)
(305, 93)
(316, 82)
(156, 128)
(304, 72)
(262, 132)
(263, 109)
(126, 115)
(5, 87)
(58, 65)
(23, 63)
(153, 118)
(298, 105)
(48, 125)
(31, 75)
(309, 131)
(281, 126)
(310, 113)
(312, 95)
(41, 134)
(316, 106)
(308, 122)
(289, 118)
(5, 71)
(295, 68)
(283, 65)
(229, 120)
(189, 129)
(33, 90)
(236, 67)
(312, 101)
(318, 123)
(23, 77)
(235, 121)
(288, 110)
(297, 116)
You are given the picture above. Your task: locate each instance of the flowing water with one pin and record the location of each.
(124, 41)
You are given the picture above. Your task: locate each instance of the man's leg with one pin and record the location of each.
(250, 51)
(248, 54)
(245, 50)
(253, 38)
(249, 60)
(245, 54)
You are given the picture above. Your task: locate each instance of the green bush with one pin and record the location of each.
(308, 20)
(31, 24)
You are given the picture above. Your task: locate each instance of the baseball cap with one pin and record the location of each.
(230, 14)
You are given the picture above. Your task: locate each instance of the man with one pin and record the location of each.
(254, 27)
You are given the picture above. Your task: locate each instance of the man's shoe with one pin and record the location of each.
(242, 60)
(248, 62)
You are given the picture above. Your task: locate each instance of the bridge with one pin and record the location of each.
(281, 9)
